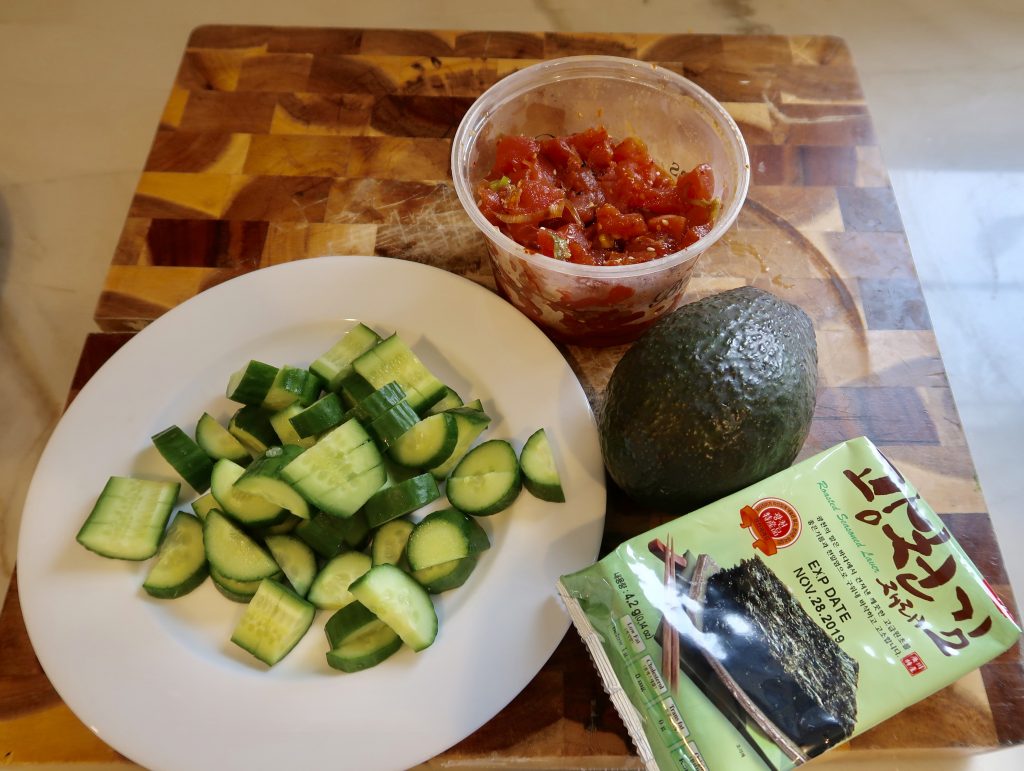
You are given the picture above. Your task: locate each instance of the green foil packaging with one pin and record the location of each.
(770, 626)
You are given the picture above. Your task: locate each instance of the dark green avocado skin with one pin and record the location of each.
(715, 396)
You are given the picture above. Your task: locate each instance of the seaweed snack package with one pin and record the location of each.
(782, 620)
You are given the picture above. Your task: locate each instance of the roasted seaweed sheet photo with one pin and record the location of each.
(757, 654)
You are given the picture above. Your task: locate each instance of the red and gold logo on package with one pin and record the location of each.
(773, 523)
(915, 664)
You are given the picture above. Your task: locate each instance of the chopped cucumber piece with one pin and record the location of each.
(371, 407)
(292, 385)
(251, 426)
(389, 542)
(180, 564)
(395, 598)
(443, 536)
(387, 427)
(272, 624)
(353, 389)
(185, 456)
(129, 517)
(247, 508)
(355, 530)
(449, 401)
(282, 425)
(540, 475)
(447, 575)
(428, 443)
(250, 384)
(324, 533)
(263, 480)
(236, 591)
(296, 559)
(217, 442)
(470, 423)
(400, 499)
(340, 472)
(358, 639)
(286, 525)
(330, 587)
(336, 363)
(232, 553)
(202, 505)
(393, 360)
(487, 479)
(321, 416)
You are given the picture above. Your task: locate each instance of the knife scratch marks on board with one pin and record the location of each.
(303, 205)
(442, 236)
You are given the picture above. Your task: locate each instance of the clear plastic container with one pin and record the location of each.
(682, 126)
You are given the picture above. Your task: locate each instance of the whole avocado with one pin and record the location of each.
(715, 396)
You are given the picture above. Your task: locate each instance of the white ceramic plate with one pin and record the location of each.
(159, 680)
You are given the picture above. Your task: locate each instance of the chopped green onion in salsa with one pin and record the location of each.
(587, 199)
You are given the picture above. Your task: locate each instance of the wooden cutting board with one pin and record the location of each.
(281, 144)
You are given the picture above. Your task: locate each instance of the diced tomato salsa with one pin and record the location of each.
(587, 199)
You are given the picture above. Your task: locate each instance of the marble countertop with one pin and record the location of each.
(83, 86)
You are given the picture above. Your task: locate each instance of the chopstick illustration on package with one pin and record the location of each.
(670, 635)
(676, 577)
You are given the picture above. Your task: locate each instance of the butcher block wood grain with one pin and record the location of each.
(281, 144)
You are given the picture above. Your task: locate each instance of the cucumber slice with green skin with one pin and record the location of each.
(358, 639)
(180, 564)
(292, 385)
(250, 384)
(376, 644)
(353, 389)
(245, 507)
(321, 416)
(345, 502)
(202, 505)
(185, 456)
(399, 601)
(386, 428)
(540, 474)
(393, 360)
(263, 480)
(476, 404)
(355, 530)
(400, 499)
(251, 426)
(128, 520)
(340, 472)
(470, 423)
(282, 425)
(378, 402)
(296, 559)
(324, 533)
(335, 364)
(348, 622)
(217, 442)
(347, 496)
(236, 591)
(428, 443)
(330, 588)
(389, 542)
(447, 575)
(449, 401)
(285, 526)
(275, 620)
(486, 480)
(443, 536)
(232, 553)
